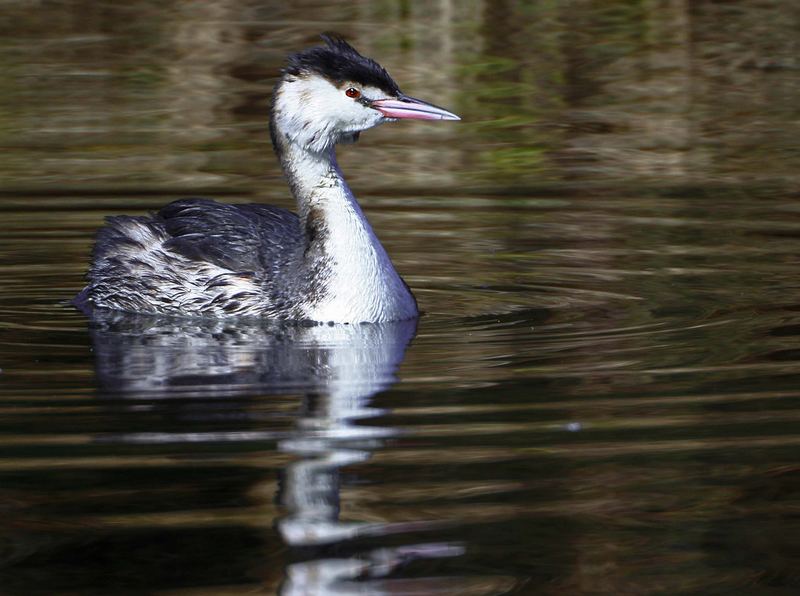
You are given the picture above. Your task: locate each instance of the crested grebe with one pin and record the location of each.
(198, 257)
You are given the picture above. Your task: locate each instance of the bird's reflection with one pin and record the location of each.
(337, 367)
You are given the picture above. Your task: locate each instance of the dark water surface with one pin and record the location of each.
(603, 396)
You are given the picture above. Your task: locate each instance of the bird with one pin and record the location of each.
(197, 257)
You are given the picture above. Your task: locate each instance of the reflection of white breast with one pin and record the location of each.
(328, 438)
(365, 360)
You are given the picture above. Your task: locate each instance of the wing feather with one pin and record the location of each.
(236, 237)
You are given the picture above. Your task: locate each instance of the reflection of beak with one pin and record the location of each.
(412, 109)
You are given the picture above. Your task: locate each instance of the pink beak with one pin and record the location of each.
(411, 109)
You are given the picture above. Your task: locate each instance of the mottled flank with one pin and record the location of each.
(200, 257)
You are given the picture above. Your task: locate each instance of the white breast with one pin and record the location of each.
(363, 284)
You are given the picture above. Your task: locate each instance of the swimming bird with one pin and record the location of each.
(199, 257)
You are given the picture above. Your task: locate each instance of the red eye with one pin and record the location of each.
(353, 92)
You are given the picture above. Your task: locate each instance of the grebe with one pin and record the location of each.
(199, 257)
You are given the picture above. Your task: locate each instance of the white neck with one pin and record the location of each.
(360, 283)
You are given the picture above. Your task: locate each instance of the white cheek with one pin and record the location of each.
(348, 114)
(327, 106)
(314, 113)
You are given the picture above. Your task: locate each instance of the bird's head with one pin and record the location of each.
(329, 94)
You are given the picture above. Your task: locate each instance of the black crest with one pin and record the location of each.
(340, 62)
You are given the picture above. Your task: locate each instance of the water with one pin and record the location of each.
(601, 397)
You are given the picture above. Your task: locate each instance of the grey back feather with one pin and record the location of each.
(236, 237)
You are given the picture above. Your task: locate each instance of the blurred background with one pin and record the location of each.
(602, 394)
(149, 96)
